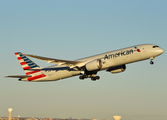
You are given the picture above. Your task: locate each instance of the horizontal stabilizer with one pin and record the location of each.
(19, 76)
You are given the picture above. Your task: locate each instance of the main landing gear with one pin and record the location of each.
(93, 77)
(89, 74)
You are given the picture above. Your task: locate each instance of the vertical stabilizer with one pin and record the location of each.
(28, 65)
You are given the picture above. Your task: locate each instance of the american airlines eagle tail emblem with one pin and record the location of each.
(28, 67)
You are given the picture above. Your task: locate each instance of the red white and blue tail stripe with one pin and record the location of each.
(28, 65)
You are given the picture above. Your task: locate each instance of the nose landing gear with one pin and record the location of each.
(151, 62)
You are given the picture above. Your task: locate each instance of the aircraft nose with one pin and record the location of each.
(161, 51)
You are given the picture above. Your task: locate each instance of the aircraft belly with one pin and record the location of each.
(62, 74)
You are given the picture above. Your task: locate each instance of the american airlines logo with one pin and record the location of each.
(122, 53)
(138, 50)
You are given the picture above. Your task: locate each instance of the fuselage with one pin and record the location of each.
(109, 59)
(127, 55)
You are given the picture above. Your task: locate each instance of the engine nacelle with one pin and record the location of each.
(117, 69)
(94, 65)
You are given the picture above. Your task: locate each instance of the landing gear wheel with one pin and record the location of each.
(84, 76)
(93, 79)
(151, 62)
(81, 77)
(97, 77)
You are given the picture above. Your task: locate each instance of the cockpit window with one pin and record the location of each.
(155, 46)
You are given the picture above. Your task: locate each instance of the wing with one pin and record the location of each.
(19, 76)
(58, 61)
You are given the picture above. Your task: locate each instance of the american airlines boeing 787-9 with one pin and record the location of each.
(111, 61)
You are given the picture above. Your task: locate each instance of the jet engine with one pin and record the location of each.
(117, 69)
(94, 65)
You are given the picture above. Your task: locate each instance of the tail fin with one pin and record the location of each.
(27, 64)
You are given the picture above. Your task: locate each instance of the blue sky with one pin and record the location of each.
(76, 29)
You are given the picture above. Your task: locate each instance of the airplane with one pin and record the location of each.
(111, 61)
